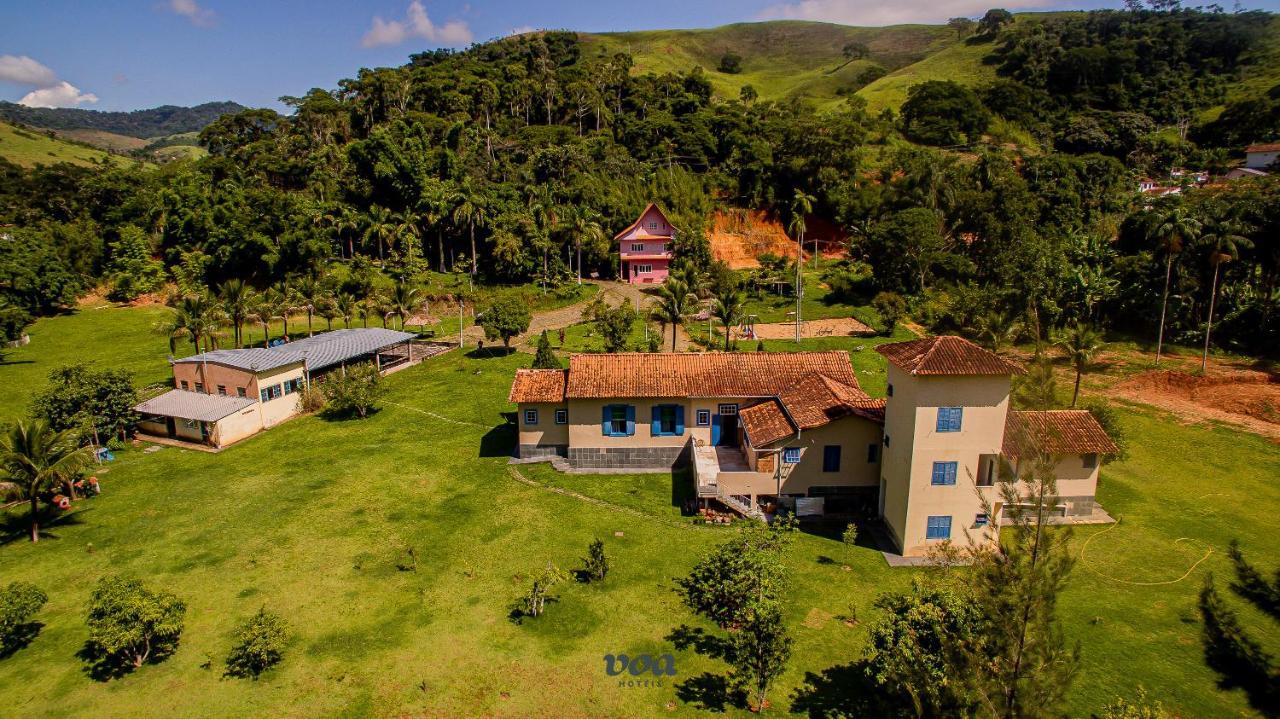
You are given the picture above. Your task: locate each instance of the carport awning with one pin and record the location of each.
(185, 404)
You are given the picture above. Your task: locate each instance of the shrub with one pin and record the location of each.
(19, 602)
(354, 392)
(77, 393)
(730, 63)
(534, 602)
(597, 564)
(505, 318)
(130, 624)
(891, 307)
(259, 645)
(545, 358)
(311, 398)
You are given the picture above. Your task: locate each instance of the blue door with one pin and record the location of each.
(724, 426)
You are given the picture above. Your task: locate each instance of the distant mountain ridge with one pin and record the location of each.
(144, 124)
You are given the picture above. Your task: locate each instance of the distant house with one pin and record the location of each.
(1237, 173)
(1260, 157)
(762, 429)
(645, 248)
(223, 396)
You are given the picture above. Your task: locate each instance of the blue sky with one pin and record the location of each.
(129, 54)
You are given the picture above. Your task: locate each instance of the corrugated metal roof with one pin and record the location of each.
(538, 385)
(318, 352)
(185, 404)
(947, 355)
(700, 374)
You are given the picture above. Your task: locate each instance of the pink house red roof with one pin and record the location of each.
(946, 355)
(538, 385)
(700, 374)
(651, 206)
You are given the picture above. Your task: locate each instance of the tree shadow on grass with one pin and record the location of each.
(102, 666)
(347, 415)
(700, 640)
(517, 615)
(19, 637)
(842, 690)
(500, 441)
(15, 525)
(710, 692)
(490, 352)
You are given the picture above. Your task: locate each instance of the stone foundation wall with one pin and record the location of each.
(1078, 506)
(533, 451)
(627, 457)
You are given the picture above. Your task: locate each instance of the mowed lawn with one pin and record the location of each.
(315, 520)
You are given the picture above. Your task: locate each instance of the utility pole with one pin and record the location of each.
(799, 281)
(460, 324)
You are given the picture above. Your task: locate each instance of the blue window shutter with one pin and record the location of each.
(939, 474)
(715, 430)
(631, 420)
(680, 420)
(957, 413)
(951, 472)
(604, 421)
(941, 425)
(655, 424)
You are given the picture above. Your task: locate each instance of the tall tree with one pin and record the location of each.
(728, 309)
(801, 207)
(1081, 343)
(1171, 231)
(35, 458)
(237, 299)
(1223, 237)
(675, 302)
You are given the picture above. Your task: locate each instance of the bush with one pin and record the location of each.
(19, 602)
(545, 358)
(730, 63)
(353, 392)
(130, 624)
(505, 318)
(891, 307)
(534, 602)
(76, 393)
(597, 564)
(311, 398)
(259, 645)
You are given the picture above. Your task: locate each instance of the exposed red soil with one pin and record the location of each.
(1245, 397)
(739, 237)
(834, 327)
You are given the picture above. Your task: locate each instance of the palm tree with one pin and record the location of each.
(34, 459)
(469, 207)
(1171, 231)
(311, 295)
(586, 227)
(284, 300)
(238, 300)
(674, 303)
(347, 306)
(801, 205)
(728, 309)
(997, 328)
(380, 226)
(1081, 342)
(195, 318)
(1224, 238)
(261, 313)
(403, 301)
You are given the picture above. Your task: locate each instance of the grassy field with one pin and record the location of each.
(780, 59)
(29, 148)
(961, 62)
(314, 519)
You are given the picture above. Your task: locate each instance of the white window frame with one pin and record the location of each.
(727, 409)
(562, 416)
(530, 416)
(637, 247)
(703, 417)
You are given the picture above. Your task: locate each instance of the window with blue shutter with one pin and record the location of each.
(791, 455)
(831, 458)
(944, 473)
(949, 418)
(667, 420)
(618, 420)
(938, 528)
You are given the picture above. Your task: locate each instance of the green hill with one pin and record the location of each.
(147, 124)
(780, 59)
(29, 147)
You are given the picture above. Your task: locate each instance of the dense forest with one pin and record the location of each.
(145, 124)
(513, 159)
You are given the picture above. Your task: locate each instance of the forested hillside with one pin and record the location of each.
(153, 122)
(1006, 202)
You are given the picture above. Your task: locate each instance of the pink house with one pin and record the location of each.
(645, 248)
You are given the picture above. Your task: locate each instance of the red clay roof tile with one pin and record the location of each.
(1054, 432)
(700, 374)
(947, 355)
(538, 385)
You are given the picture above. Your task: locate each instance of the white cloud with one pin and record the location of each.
(886, 12)
(23, 70)
(48, 90)
(191, 10)
(63, 94)
(416, 24)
